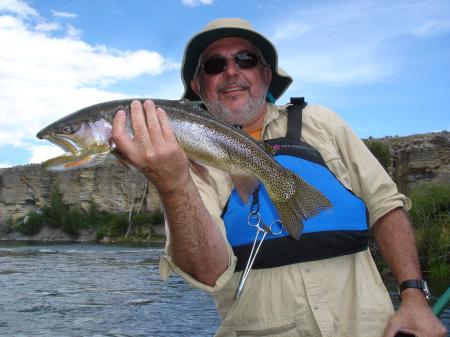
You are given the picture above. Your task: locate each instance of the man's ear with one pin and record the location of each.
(195, 86)
(268, 74)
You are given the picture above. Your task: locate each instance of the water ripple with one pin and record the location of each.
(96, 290)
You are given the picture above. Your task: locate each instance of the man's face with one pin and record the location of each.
(236, 95)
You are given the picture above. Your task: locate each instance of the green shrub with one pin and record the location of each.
(56, 209)
(381, 151)
(154, 218)
(93, 216)
(430, 215)
(72, 221)
(430, 201)
(115, 224)
(31, 224)
(157, 217)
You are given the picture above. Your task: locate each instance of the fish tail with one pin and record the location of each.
(300, 202)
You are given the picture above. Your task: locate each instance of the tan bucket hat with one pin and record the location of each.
(231, 27)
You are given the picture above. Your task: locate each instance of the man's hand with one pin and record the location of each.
(395, 238)
(154, 149)
(196, 243)
(415, 317)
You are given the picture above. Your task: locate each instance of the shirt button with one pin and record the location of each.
(307, 270)
(316, 307)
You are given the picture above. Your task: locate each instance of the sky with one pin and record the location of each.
(383, 65)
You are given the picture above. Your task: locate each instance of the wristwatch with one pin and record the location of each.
(419, 284)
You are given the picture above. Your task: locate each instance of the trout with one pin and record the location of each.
(85, 136)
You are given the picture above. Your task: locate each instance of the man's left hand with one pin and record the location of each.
(415, 317)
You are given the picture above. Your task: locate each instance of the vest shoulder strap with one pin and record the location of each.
(294, 127)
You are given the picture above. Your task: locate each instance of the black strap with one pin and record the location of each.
(294, 127)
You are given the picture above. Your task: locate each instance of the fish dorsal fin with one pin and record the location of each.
(245, 185)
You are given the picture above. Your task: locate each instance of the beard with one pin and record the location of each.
(242, 115)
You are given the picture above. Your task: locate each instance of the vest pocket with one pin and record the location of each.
(289, 330)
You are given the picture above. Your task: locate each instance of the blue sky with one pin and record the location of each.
(384, 66)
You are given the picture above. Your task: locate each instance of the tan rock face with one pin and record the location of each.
(420, 158)
(113, 187)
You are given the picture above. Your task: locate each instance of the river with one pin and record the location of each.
(99, 290)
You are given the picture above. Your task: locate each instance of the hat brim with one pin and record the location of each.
(280, 80)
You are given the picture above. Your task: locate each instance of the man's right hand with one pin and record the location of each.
(197, 245)
(153, 149)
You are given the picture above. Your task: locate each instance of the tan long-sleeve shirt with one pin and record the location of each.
(342, 296)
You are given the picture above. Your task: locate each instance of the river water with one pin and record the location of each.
(98, 290)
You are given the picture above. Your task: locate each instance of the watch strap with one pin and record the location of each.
(418, 284)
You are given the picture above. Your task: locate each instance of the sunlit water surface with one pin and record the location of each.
(96, 290)
(100, 290)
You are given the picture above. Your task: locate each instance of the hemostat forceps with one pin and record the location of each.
(254, 220)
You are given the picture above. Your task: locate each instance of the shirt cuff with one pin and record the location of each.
(167, 267)
(400, 201)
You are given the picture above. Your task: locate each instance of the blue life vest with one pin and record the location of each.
(341, 230)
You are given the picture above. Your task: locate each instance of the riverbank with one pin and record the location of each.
(89, 235)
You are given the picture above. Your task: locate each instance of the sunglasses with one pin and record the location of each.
(242, 60)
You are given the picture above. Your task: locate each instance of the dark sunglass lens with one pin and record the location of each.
(214, 66)
(246, 60)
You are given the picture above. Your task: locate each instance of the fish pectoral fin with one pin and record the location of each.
(245, 185)
(199, 170)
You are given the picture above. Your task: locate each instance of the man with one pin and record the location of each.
(232, 69)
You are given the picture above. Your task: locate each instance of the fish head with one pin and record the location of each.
(85, 138)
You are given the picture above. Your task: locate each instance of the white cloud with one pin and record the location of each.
(63, 14)
(291, 30)
(343, 42)
(44, 152)
(72, 32)
(47, 26)
(4, 165)
(194, 3)
(18, 7)
(44, 76)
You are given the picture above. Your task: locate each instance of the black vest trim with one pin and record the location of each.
(283, 251)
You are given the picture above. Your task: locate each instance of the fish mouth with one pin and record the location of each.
(75, 156)
(68, 145)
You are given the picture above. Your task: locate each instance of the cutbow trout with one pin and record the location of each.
(85, 135)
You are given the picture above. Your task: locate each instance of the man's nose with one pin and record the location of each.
(231, 67)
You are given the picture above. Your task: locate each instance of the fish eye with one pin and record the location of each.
(68, 130)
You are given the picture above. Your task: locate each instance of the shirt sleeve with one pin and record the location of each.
(167, 266)
(368, 179)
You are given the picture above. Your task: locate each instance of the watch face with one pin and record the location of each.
(425, 290)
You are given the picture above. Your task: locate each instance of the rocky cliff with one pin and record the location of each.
(115, 188)
(419, 159)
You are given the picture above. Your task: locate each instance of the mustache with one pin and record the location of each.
(233, 83)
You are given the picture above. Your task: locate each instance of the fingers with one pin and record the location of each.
(139, 124)
(166, 129)
(119, 133)
(152, 138)
(153, 125)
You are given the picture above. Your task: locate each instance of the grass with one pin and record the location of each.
(430, 216)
